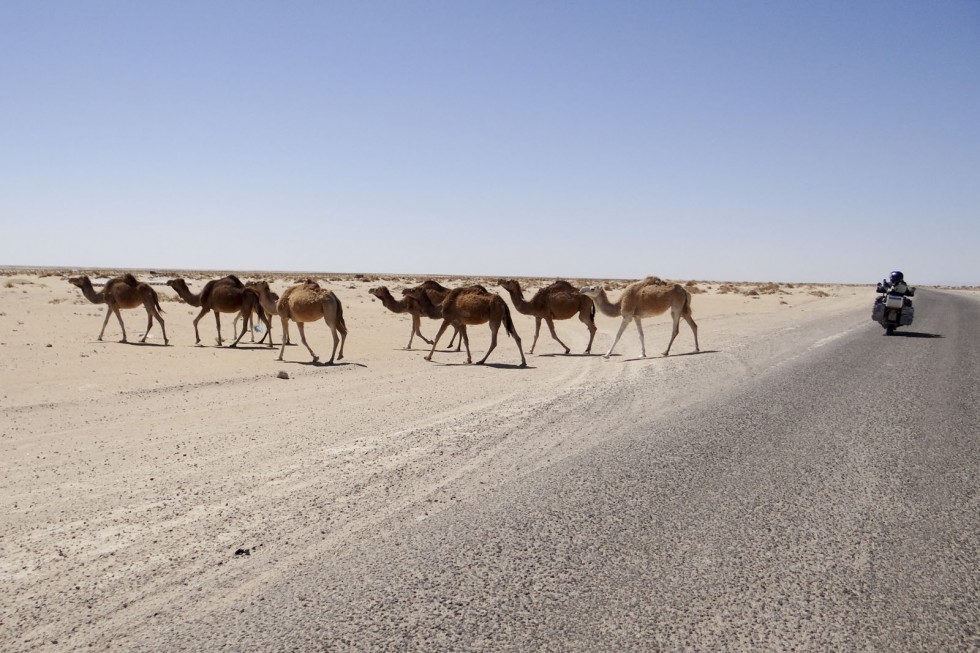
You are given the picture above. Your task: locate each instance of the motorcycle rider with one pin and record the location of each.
(895, 285)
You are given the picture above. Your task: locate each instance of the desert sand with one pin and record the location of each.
(140, 483)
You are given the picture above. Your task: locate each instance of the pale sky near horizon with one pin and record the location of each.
(824, 141)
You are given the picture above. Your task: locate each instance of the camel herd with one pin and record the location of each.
(458, 307)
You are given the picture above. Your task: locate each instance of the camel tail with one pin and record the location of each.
(686, 310)
(156, 300)
(508, 322)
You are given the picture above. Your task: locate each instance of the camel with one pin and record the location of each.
(225, 295)
(475, 305)
(124, 292)
(408, 305)
(559, 301)
(308, 302)
(646, 298)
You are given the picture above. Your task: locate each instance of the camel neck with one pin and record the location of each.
(91, 295)
(186, 294)
(607, 307)
(517, 296)
(393, 304)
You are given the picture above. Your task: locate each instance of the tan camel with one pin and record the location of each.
(124, 292)
(646, 298)
(559, 301)
(225, 295)
(475, 305)
(408, 305)
(308, 302)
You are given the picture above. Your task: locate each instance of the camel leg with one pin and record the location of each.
(217, 321)
(197, 336)
(619, 334)
(435, 341)
(520, 349)
(465, 337)
(694, 328)
(149, 325)
(115, 309)
(458, 337)
(417, 319)
(302, 337)
(551, 327)
(336, 340)
(494, 327)
(245, 323)
(285, 335)
(108, 313)
(673, 333)
(268, 328)
(643, 344)
(537, 328)
(163, 327)
(152, 312)
(590, 323)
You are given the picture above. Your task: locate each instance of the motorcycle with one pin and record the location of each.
(891, 309)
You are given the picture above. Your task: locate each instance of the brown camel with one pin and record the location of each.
(308, 302)
(474, 305)
(225, 295)
(646, 298)
(559, 301)
(408, 305)
(124, 292)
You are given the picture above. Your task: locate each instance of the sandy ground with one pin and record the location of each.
(141, 483)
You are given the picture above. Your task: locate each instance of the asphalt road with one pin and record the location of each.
(827, 502)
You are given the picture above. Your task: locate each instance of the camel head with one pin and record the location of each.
(259, 286)
(592, 291)
(173, 283)
(81, 281)
(379, 292)
(510, 285)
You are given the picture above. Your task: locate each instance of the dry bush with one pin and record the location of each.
(694, 290)
(768, 288)
(819, 293)
(168, 297)
(751, 292)
(56, 300)
(726, 288)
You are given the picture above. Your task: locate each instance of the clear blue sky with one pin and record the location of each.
(786, 141)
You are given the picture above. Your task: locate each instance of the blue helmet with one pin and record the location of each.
(897, 276)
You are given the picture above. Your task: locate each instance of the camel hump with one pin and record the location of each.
(130, 280)
(429, 284)
(560, 285)
(233, 279)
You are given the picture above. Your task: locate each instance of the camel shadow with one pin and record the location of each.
(658, 356)
(496, 366)
(136, 343)
(916, 334)
(323, 363)
(568, 355)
